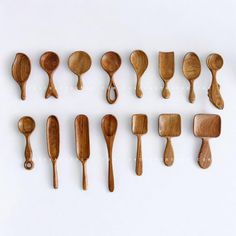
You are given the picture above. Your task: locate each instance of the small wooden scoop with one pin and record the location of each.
(166, 70)
(53, 144)
(26, 126)
(82, 143)
(139, 60)
(49, 61)
(206, 126)
(79, 62)
(191, 69)
(169, 126)
(109, 126)
(139, 127)
(111, 62)
(20, 71)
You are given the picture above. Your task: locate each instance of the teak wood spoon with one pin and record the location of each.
(111, 62)
(139, 128)
(26, 126)
(20, 71)
(139, 60)
(82, 143)
(206, 126)
(79, 62)
(49, 61)
(53, 144)
(109, 127)
(191, 70)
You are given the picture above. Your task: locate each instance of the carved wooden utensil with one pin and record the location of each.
(191, 69)
(49, 61)
(111, 62)
(53, 144)
(215, 63)
(109, 127)
(79, 62)
(169, 126)
(20, 71)
(139, 60)
(82, 143)
(166, 70)
(206, 126)
(139, 128)
(26, 126)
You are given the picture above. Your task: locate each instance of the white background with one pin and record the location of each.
(180, 200)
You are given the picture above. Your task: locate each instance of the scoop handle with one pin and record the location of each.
(139, 161)
(23, 90)
(85, 179)
(204, 157)
(192, 96)
(55, 174)
(51, 90)
(165, 91)
(79, 83)
(110, 176)
(168, 153)
(139, 92)
(111, 87)
(28, 164)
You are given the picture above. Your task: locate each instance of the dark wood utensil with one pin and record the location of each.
(139, 60)
(169, 126)
(21, 68)
(109, 127)
(111, 62)
(79, 62)
(49, 61)
(53, 144)
(26, 126)
(206, 126)
(82, 143)
(139, 128)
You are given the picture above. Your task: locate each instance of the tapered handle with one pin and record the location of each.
(85, 179)
(55, 175)
(29, 164)
(204, 157)
(165, 91)
(139, 92)
(192, 96)
(139, 160)
(110, 176)
(80, 83)
(168, 153)
(23, 90)
(111, 88)
(51, 90)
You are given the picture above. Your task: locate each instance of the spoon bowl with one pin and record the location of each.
(215, 61)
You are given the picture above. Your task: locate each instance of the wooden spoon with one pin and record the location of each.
(169, 126)
(82, 143)
(49, 61)
(21, 68)
(139, 60)
(111, 62)
(26, 126)
(79, 62)
(166, 70)
(206, 126)
(139, 127)
(53, 144)
(191, 69)
(109, 126)
(215, 63)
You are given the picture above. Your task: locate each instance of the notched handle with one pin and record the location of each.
(168, 153)
(111, 88)
(110, 176)
(51, 90)
(165, 91)
(192, 96)
(139, 161)
(204, 157)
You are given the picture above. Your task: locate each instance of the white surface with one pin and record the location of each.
(181, 200)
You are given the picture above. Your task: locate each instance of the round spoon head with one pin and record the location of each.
(49, 61)
(109, 125)
(110, 62)
(215, 61)
(26, 125)
(139, 60)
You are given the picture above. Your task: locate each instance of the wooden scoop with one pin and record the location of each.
(79, 62)
(49, 61)
(21, 68)
(82, 143)
(206, 126)
(139, 127)
(109, 126)
(111, 62)
(53, 144)
(169, 126)
(139, 60)
(166, 70)
(191, 69)
(26, 126)
(215, 63)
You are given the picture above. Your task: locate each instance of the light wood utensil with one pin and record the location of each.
(26, 126)
(139, 60)
(53, 144)
(215, 63)
(109, 127)
(206, 126)
(111, 62)
(166, 70)
(139, 128)
(20, 71)
(79, 62)
(49, 61)
(82, 144)
(191, 70)
(169, 126)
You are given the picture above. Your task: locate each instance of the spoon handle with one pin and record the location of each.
(165, 91)
(204, 157)
(55, 174)
(79, 83)
(85, 179)
(110, 176)
(192, 96)
(23, 90)
(29, 164)
(139, 92)
(51, 90)
(139, 161)
(111, 87)
(168, 153)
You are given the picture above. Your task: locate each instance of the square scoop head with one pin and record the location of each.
(139, 124)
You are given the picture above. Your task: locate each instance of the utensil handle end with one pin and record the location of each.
(204, 157)
(139, 160)
(55, 175)
(110, 177)
(168, 153)
(85, 179)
